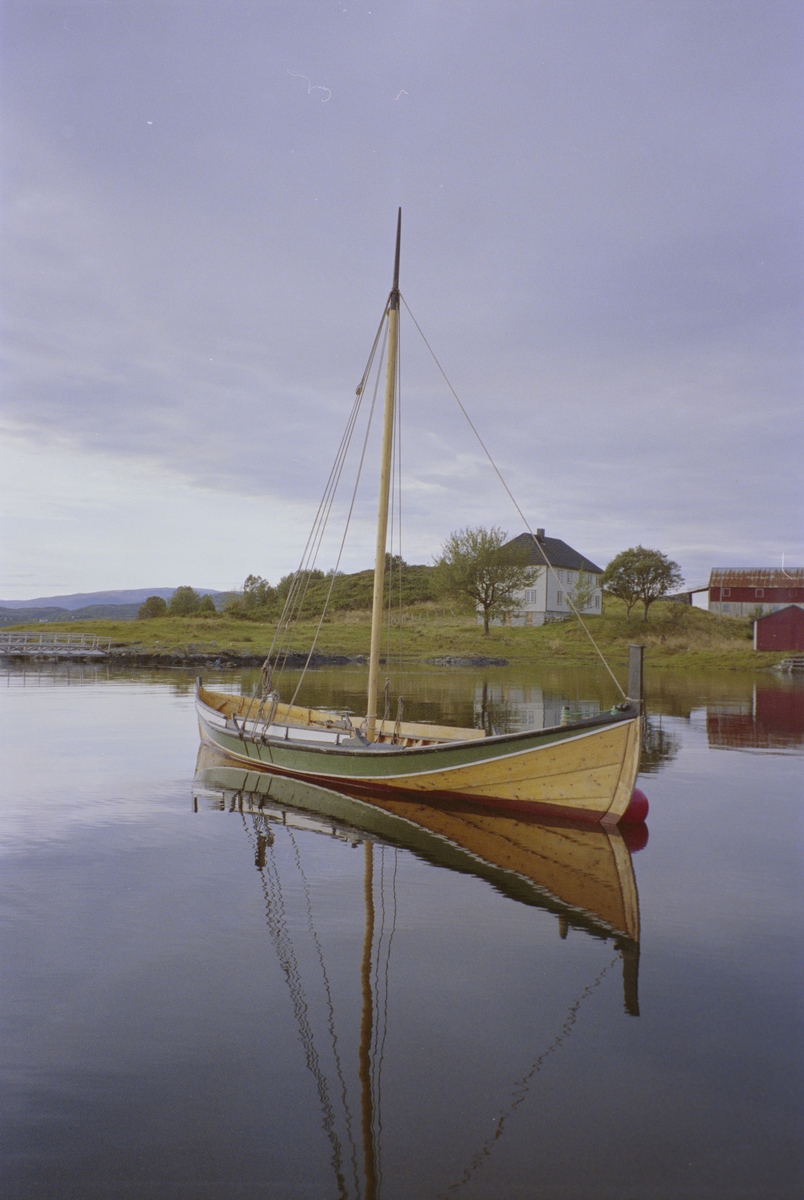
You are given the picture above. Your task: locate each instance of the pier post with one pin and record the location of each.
(636, 693)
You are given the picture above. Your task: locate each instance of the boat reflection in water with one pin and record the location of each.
(581, 873)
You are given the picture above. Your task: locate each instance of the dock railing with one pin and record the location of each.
(60, 645)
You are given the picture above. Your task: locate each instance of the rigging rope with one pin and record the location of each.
(330, 1007)
(522, 516)
(522, 1086)
(276, 918)
(280, 646)
(343, 539)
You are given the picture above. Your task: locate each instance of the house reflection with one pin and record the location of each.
(502, 707)
(772, 719)
(510, 706)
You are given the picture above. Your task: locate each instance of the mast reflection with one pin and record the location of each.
(581, 873)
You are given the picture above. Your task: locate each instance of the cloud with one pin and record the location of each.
(609, 273)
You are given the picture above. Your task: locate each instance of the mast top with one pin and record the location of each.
(395, 288)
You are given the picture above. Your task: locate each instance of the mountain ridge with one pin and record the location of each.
(84, 599)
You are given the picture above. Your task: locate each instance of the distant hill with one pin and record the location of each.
(23, 616)
(84, 599)
(104, 612)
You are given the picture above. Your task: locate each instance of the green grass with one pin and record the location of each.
(675, 635)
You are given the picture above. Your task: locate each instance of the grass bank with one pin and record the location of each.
(675, 635)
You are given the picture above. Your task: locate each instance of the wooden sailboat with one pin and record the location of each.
(584, 769)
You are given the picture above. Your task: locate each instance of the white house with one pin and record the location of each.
(569, 576)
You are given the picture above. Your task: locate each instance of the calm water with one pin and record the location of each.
(208, 993)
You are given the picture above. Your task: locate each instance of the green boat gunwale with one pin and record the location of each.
(450, 753)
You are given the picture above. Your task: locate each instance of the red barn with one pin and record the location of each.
(741, 591)
(782, 630)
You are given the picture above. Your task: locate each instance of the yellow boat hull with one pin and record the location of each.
(587, 771)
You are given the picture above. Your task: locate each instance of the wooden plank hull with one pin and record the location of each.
(586, 770)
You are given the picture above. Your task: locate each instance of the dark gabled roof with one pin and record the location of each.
(558, 553)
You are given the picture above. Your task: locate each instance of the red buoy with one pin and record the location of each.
(635, 836)
(637, 808)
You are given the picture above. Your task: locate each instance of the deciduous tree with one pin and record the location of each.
(154, 606)
(583, 593)
(477, 563)
(257, 593)
(640, 575)
(184, 602)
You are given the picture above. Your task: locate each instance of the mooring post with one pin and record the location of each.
(635, 677)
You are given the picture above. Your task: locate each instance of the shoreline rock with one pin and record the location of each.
(478, 660)
(190, 657)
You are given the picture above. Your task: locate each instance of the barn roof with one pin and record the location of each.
(558, 553)
(791, 612)
(762, 577)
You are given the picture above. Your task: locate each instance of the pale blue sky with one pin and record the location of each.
(602, 240)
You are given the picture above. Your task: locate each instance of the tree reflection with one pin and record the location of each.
(659, 746)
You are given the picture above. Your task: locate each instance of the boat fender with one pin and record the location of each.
(635, 836)
(637, 808)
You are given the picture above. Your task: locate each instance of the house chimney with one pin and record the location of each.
(539, 535)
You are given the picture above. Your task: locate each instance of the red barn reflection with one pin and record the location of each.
(772, 720)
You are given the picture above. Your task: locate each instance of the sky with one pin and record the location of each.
(602, 242)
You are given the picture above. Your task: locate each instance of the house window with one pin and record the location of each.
(597, 602)
(559, 576)
(726, 592)
(530, 596)
(559, 597)
(759, 592)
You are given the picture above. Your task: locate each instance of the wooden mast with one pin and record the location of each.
(385, 491)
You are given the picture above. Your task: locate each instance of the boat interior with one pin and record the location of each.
(268, 717)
